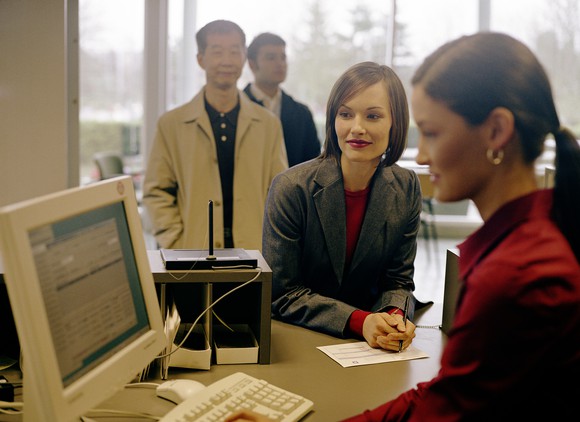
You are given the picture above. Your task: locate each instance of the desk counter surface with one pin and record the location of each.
(298, 366)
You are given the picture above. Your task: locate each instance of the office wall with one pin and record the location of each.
(38, 92)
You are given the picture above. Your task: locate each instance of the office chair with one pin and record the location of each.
(109, 164)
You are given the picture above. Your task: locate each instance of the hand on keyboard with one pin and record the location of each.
(247, 416)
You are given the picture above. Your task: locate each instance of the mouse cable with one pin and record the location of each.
(215, 302)
(142, 385)
(96, 413)
(221, 320)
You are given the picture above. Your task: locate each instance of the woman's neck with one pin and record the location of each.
(357, 176)
(503, 188)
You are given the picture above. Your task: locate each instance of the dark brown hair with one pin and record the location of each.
(475, 74)
(266, 38)
(354, 80)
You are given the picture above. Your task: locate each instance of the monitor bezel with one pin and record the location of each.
(44, 396)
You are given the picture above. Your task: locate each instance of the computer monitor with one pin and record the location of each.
(451, 289)
(82, 296)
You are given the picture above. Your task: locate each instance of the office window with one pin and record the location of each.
(321, 35)
(323, 38)
(550, 29)
(111, 82)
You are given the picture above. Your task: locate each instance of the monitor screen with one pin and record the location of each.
(82, 295)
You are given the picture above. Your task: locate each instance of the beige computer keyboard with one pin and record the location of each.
(240, 391)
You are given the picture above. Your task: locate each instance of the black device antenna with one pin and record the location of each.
(210, 256)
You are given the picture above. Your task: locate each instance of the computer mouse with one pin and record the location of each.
(178, 390)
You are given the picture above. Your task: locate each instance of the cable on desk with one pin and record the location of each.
(96, 413)
(245, 283)
(221, 321)
(194, 262)
(150, 385)
(16, 408)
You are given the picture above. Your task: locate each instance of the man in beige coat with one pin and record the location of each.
(220, 146)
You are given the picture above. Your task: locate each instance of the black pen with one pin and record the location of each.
(405, 310)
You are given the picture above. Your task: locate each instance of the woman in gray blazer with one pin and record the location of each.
(340, 230)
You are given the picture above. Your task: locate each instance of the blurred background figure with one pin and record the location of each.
(267, 60)
(198, 145)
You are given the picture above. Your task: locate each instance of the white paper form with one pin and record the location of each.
(360, 353)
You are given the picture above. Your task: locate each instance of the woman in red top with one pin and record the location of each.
(483, 105)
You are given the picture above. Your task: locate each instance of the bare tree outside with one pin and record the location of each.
(559, 51)
(323, 53)
(324, 38)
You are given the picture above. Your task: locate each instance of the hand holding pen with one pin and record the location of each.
(389, 331)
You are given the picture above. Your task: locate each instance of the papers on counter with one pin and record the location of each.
(360, 353)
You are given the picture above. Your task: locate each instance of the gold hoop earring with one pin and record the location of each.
(495, 157)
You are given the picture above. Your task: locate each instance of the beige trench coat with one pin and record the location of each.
(182, 175)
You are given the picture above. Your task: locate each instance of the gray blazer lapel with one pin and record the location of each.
(375, 216)
(330, 206)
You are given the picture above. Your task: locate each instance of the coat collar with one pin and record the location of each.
(531, 206)
(194, 112)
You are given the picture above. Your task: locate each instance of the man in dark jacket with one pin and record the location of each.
(267, 60)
